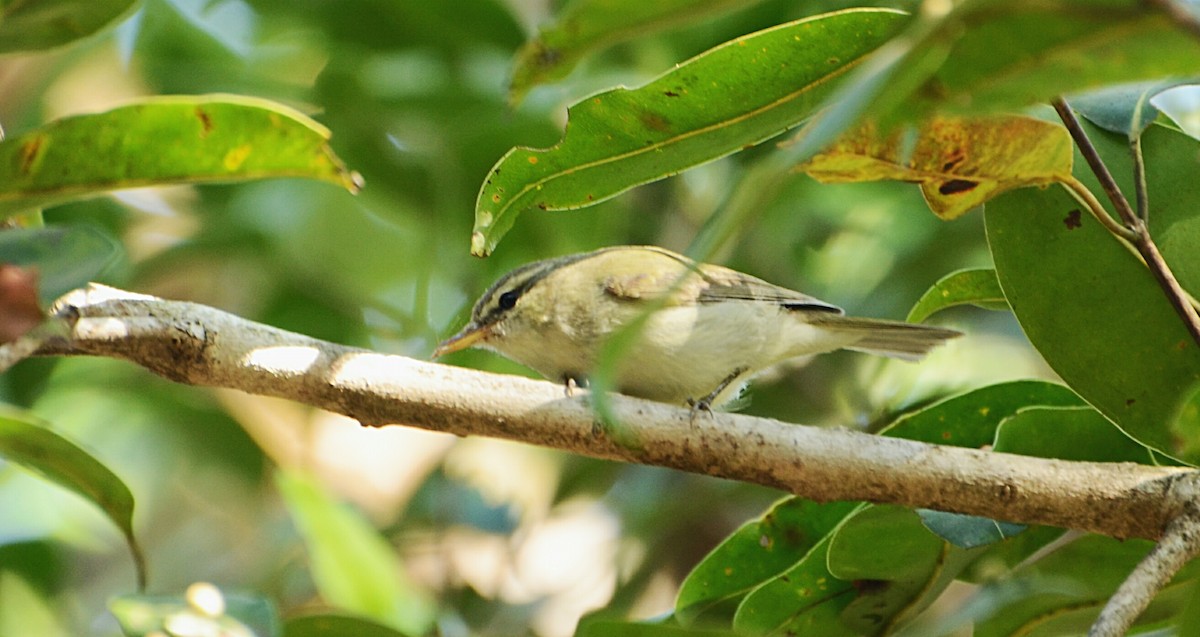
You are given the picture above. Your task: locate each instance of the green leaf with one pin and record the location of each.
(353, 567)
(27, 25)
(737, 94)
(959, 162)
(585, 26)
(160, 141)
(968, 531)
(1051, 48)
(756, 552)
(965, 287)
(1124, 109)
(27, 441)
(947, 63)
(970, 419)
(1062, 592)
(1069, 433)
(806, 599)
(336, 626)
(612, 628)
(1090, 306)
(895, 564)
(153, 615)
(65, 257)
(1185, 426)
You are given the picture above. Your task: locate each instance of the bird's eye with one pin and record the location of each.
(508, 300)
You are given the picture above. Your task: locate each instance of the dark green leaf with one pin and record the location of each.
(42, 24)
(948, 63)
(1069, 433)
(1090, 306)
(352, 566)
(27, 441)
(735, 95)
(1041, 597)
(611, 628)
(759, 550)
(336, 626)
(64, 257)
(896, 565)
(806, 599)
(163, 141)
(971, 419)
(1185, 426)
(964, 287)
(1124, 109)
(585, 26)
(967, 531)
(152, 615)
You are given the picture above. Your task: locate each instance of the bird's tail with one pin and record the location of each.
(894, 339)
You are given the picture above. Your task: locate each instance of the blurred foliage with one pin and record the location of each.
(462, 537)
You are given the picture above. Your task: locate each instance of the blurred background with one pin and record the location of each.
(491, 537)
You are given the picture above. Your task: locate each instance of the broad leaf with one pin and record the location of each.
(1124, 109)
(28, 442)
(64, 257)
(1062, 592)
(896, 565)
(585, 26)
(612, 628)
(968, 531)
(971, 419)
(950, 62)
(758, 551)
(336, 626)
(1051, 48)
(959, 163)
(27, 25)
(806, 599)
(965, 287)
(352, 566)
(164, 141)
(1090, 306)
(732, 96)
(1069, 433)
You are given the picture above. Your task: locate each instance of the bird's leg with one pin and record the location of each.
(705, 404)
(571, 383)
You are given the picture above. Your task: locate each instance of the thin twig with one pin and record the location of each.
(1179, 544)
(1092, 156)
(1133, 223)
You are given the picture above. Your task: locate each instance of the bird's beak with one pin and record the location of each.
(469, 336)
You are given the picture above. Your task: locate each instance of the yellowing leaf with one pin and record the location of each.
(958, 162)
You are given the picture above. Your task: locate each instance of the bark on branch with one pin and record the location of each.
(199, 345)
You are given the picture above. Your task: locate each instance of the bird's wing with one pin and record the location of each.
(707, 284)
(724, 284)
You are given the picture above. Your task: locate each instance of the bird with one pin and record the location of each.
(706, 329)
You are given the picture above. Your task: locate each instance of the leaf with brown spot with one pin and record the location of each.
(959, 162)
(164, 140)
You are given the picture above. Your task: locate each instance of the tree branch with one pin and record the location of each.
(1178, 545)
(1135, 229)
(199, 345)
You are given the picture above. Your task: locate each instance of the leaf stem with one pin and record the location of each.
(1134, 227)
(1089, 201)
(1139, 178)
